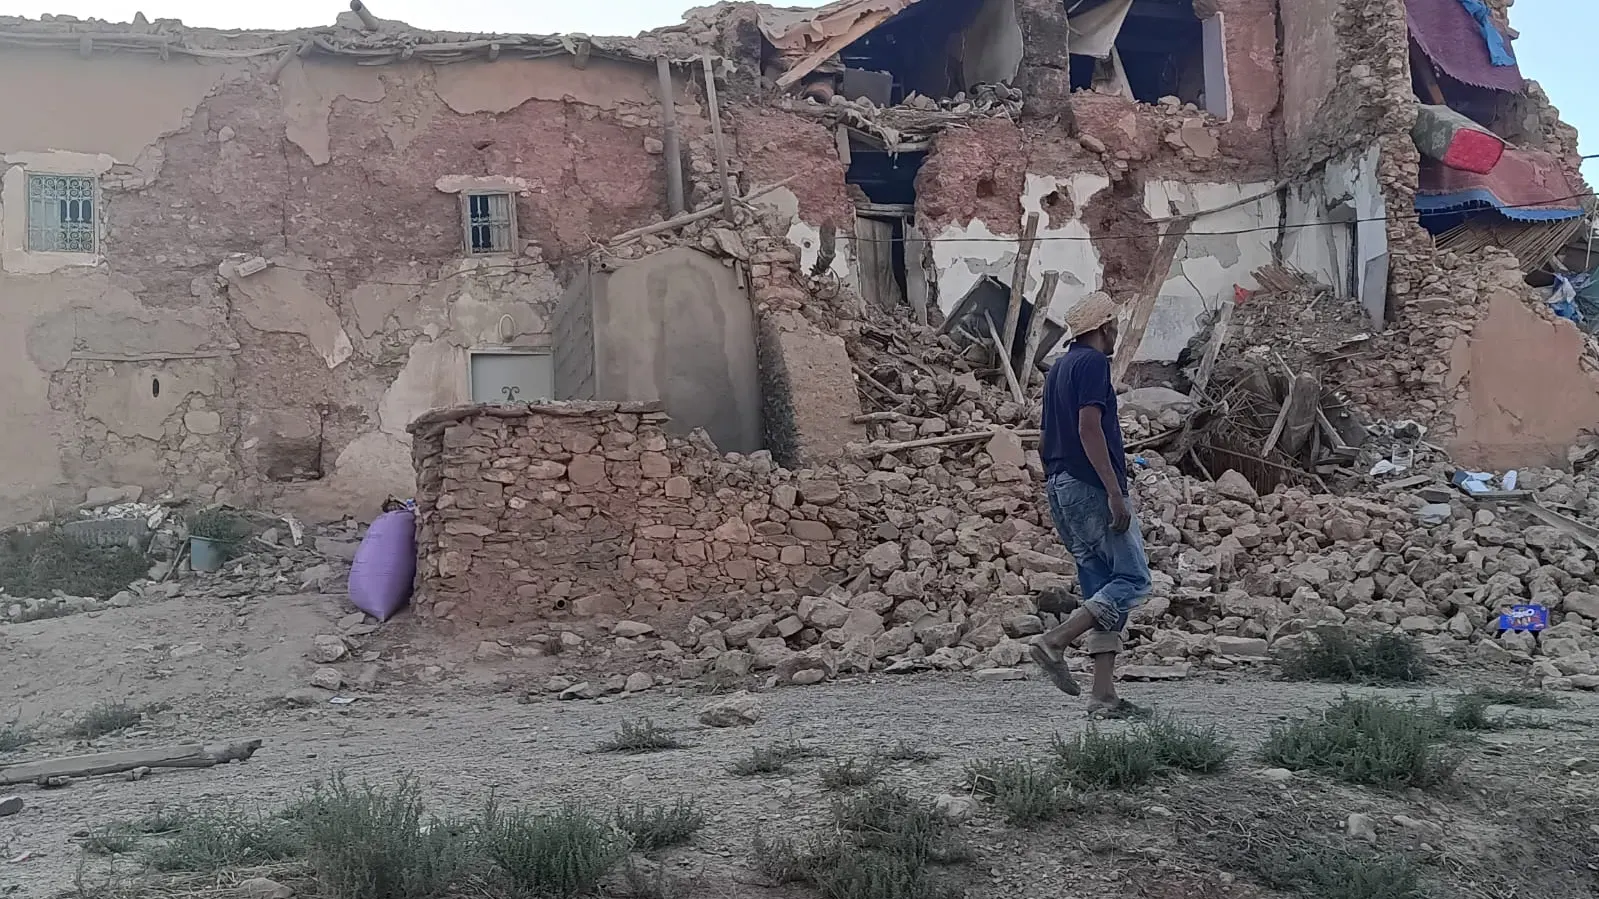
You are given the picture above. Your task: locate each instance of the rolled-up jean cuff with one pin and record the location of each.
(1106, 616)
(1098, 642)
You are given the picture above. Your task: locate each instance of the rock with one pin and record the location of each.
(740, 708)
(904, 585)
(823, 612)
(631, 629)
(884, 559)
(1434, 514)
(955, 808)
(111, 496)
(306, 697)
(1018, 626)
(327, 679)
(326, 649)
(1155, 401)
(740, 633)
(584, 690)
(262, 888)
(1242, 647)
(492, 651)
(1007, 653)
(999, 674)
(807, 677)
(769, 652)
(335, 548)
(1235, 486)
(1005, 448)
(735, 662)
(820, 492)
(862, 623)
(1361, 827)
(10, 805)
(638, 682)
(1154, 672)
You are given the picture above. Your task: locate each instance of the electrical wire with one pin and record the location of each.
(1042, 238)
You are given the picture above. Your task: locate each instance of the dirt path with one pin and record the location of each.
(220, 671)
(543, 753)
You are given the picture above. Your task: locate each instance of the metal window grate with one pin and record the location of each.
(61, 214)
(490, 223)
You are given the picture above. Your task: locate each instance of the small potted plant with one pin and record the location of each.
(214, 537)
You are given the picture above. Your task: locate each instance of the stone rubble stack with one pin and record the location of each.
(934, 557)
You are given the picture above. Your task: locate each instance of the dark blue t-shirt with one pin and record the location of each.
(1080, 378)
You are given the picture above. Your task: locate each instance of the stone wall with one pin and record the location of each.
(584, 510)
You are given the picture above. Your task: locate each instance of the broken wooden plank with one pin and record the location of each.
(717, 141)
(1144, 303)
(671, 155)
(1004, 360)
(877, 450)
(690, 218)
(830, 47)
(1035, 326)
(1218, 338)
(1281, 422)
(1018, 282)
(187, 756)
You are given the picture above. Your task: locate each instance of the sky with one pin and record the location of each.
(1556, 35)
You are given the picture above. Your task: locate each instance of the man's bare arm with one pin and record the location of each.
(1092, 434)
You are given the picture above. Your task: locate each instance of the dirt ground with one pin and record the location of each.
(1520, 820)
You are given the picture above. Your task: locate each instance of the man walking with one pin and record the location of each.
(1086, 468)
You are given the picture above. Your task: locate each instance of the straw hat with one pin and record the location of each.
(1096, 311)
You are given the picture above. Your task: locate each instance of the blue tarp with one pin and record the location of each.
(1498, 48)
(1478, 198)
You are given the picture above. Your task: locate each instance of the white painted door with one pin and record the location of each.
(512, 377)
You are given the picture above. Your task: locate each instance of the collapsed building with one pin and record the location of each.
(251, 266)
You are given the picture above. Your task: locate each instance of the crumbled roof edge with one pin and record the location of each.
(345, 39)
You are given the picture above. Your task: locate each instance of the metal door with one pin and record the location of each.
(512, 377)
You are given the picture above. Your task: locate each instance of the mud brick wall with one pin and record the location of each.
(534, 514)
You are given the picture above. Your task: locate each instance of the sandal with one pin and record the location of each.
(1120, 710)
(1055, 667)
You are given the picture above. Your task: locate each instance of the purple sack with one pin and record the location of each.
(385, 565)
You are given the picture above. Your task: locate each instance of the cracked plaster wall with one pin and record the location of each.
(150, 365)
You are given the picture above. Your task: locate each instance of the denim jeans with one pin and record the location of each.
(1112, 570)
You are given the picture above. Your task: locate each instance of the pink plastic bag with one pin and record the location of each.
(385, 565)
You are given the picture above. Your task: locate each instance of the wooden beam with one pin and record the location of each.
(1144, 302)
(1218, 338)
(877, 450)
(671, 151)
(716, 138)
(832, 46)
(1422, 66)
(1003, 349)
(691, 217)
(1018, 281)
(189, 756)
(1035, 326)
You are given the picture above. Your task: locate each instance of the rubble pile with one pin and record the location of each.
(928, 547)
(279, 557)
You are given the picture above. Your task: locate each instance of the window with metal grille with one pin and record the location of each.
(61, 214)
(490, 223)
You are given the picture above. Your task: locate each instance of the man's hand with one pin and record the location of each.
(1121, 513)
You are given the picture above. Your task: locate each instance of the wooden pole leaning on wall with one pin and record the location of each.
(1018, 282)
(1035, 327)
(669, 143)
(1143, 303)
(717, 141)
